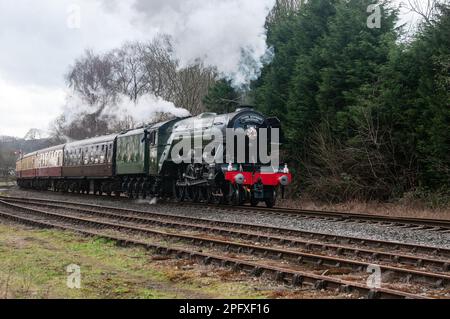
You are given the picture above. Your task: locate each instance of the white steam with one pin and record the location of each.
(152, 201)
(226, 34)
(144, 110)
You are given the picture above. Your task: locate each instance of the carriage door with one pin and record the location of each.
(153, 147)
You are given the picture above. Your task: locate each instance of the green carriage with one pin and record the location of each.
(132, 153)
(140, 158)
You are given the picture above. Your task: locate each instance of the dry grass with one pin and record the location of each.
(5, 183)
(33, 266)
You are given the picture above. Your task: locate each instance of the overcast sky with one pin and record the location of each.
(39, 40)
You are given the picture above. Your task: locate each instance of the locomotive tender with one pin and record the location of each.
(141, 162)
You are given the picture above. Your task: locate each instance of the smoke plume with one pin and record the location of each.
(226, 34)
(144, 110)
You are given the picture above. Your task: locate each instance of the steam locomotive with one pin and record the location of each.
(151, 161)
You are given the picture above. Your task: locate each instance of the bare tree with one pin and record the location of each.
(283, 8)
(92, 78)
(426, 9)
(133, 70)
(130, 75)
(193, 85)
(152, 68)
(161, 67)
(185, 87)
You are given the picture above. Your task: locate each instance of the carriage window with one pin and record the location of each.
(96, 154)
(101, 154)
(153, 138)
(85, 156)
(91, 155)
(109, 152)
(127, 153)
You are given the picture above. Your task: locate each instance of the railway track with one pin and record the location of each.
(403, 222)
(133, 224)
(437, 225)
(265, 234)
(320, 238)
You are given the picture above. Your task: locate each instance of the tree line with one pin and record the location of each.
(366, 110)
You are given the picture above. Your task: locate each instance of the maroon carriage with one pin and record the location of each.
(49, 162)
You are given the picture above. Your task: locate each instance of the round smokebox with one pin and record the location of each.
(239, 179)
(284, 180)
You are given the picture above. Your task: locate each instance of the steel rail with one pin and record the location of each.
(284, 275)
(418, 223)
(418, 261)
(405, 222)
(437, 279)
(388, 245)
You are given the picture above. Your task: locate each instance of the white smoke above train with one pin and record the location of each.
(226, 34)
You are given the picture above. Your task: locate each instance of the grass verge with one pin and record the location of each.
(33, 265)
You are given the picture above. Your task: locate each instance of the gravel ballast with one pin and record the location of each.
(421, 237)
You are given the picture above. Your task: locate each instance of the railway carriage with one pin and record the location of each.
(131, 159)
(139, 162)
(131, 165)
(49, 164)
(89, 165)
(18, 168)
(27, 173)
